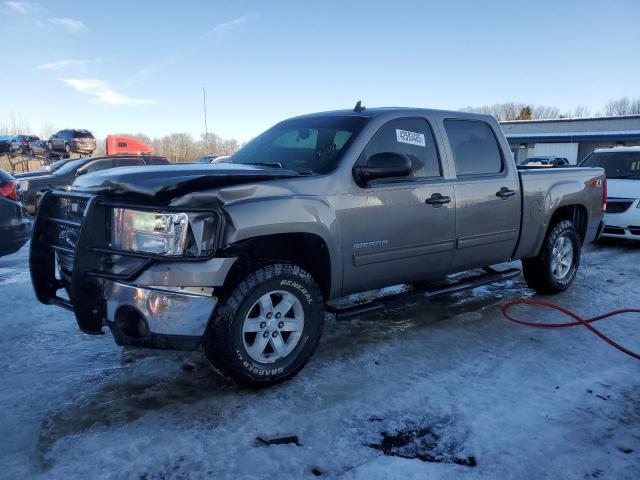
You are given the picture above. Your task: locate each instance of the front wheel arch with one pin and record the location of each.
(307, 250)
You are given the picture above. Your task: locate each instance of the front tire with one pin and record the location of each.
(67, 148)
(266, 330)
(555, 268)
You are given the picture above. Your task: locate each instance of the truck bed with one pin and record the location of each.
(544, 190)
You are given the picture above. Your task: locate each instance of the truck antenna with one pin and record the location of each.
(206, 130)
(359, 108)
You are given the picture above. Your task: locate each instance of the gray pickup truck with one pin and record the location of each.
(245, 257)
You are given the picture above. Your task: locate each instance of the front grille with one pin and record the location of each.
(66, 215)
(634, 230)
(617, 206)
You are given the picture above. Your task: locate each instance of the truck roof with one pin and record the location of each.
(379, 111)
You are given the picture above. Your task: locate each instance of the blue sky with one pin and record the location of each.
(140, 66)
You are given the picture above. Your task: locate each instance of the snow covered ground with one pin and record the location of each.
(452, 385)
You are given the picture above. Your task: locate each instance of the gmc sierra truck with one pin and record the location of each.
(245, 257)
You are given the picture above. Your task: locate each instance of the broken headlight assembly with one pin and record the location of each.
(171, 234)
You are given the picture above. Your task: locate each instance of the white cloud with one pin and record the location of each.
(20, 7)
(65, 64)
(102, 93)
(72, 25)
(223, 28)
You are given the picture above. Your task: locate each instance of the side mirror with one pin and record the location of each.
(382, 165)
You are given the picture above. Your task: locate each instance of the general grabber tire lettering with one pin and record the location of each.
(266, 330)
(555, 267)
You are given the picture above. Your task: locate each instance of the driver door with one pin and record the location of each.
(393, 231)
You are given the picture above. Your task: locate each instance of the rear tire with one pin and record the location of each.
(556, 266)
(251, 342)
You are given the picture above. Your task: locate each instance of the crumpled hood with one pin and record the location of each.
(623, 188)
(171, 181)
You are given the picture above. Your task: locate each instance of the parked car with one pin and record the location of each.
(21, 143)
(244, 257)
(43, 169)
(63, 177)
(40, 148)
(549, 161)
(6, 144)
(622, 167)
(15, 227)
(76, 141)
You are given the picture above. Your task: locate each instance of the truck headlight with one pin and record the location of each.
(163, 233)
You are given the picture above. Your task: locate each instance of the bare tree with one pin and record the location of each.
(581, 112)
(47, 129)
(622, 106)
(17, 124)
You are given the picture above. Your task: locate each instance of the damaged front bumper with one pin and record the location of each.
(146, 300)
(157, 317)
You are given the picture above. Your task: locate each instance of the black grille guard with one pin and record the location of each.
(91, 254)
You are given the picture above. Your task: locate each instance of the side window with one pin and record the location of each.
(98, 165)
(157, 161)
(129, 162)
(475, 148)
(412, 137)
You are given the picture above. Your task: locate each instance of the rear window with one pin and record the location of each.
(475, 148)
(81, 134)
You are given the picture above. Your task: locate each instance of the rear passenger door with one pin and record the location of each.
(402, 229)
(487, 195)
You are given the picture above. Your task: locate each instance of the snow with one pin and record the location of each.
(524, 403)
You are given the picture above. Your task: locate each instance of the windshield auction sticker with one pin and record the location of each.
(412, 138)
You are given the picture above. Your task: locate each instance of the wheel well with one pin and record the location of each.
(306, 250)
(576, 213)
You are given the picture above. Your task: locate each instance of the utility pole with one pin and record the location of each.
(206, 130)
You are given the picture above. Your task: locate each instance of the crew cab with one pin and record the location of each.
(245, 257)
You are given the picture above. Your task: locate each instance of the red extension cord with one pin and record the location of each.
(578, 320)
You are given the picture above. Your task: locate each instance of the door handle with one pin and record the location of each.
(505, 193)
(436, 200)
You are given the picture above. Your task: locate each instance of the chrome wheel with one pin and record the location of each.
(273, 326)
(561, 257)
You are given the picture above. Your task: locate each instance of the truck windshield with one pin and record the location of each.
(306, 145)
(615, 164)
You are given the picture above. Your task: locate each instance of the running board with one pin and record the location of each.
(491, 276)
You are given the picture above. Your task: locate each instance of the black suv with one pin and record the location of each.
(62, 178)
(77, 141)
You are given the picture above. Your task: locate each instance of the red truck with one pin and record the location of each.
(117, 145)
